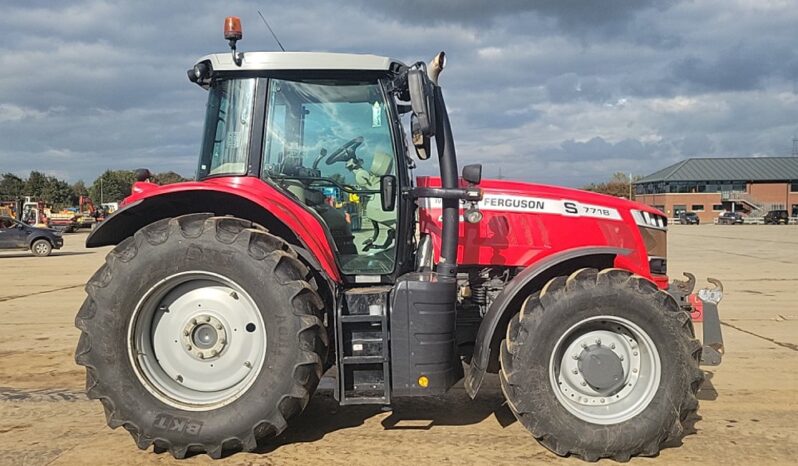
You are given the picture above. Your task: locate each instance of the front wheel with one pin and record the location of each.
(202, 334)
(601, 365)
(41, 248)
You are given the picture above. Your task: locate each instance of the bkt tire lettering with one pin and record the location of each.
(177, 424)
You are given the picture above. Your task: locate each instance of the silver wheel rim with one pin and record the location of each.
(41, 248)
(639, 360)
(197, 340)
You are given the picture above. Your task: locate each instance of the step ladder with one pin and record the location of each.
(362, 339)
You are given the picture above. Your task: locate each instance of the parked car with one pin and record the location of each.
(17, 235)
(777, 217)
(730, 218)
(689, 218)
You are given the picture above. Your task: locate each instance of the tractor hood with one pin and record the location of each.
(524, 222)
(496, 189)
(533, 189)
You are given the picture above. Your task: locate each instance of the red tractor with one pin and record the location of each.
(306, 245)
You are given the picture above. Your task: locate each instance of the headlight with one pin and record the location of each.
(647, 219)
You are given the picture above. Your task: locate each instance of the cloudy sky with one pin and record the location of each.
(554, 91)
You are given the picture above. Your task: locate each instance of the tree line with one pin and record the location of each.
(111, 186)
(618, 185)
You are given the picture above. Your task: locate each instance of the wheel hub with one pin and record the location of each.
(198, 340)
(204, 336)
(604, 369)
(601, 368)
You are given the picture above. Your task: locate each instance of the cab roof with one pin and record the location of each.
(257, 61)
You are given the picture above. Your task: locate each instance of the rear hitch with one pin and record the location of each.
(703, 307)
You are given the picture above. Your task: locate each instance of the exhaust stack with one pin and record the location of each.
(435, 66)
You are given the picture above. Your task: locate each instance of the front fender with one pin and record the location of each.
(534, 277)
(247, 198)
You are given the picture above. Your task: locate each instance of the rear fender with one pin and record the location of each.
(292, 223)
(508, 302)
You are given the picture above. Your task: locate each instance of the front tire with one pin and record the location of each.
(601, 365)
(201, 334)
(41, 248)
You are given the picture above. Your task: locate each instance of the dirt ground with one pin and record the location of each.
(749, 406)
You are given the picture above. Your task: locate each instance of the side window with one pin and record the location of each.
(228, 125)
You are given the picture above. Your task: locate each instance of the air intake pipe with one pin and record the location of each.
(447, 160)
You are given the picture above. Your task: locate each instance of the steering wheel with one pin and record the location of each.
(345, 152)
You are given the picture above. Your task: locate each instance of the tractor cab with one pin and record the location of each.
(323, 129)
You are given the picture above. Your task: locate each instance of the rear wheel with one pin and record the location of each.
(601, 365)
(202, 334)
(41, 248)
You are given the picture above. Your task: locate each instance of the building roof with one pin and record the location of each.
(728, 169)
(299, 61)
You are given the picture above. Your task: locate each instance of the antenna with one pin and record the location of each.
(795, 145)
(270, 30)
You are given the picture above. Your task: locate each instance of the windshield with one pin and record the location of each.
(227, 126)
(328, 143)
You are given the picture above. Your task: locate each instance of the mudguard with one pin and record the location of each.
(534, 276)
(244, 197)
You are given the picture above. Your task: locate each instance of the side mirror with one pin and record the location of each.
(388, 192)
(422, 101)
(473, 173)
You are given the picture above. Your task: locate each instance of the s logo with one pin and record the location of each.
(570, 208)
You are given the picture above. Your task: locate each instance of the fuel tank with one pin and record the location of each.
(525, 222)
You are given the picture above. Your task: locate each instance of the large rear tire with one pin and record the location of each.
(602, 365)
(202, 334)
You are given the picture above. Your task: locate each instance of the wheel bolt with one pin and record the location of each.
(185, 333)
(193, 321)
(634, 354)
(234, 295)
(222, 341)
(584, 384)
(200, 355)
(575, 356)
(584, 345)
(575, 371)
(218, 326)
(612, 345)
(248, 365)
(634, 370)
(598, 341)
(214, 353)
(188, 347)
(602, 400)
(207, 318)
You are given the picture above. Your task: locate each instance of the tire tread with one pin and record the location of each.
(261, 246)
(534, 310)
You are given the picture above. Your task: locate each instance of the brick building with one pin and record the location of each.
(709, 186)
